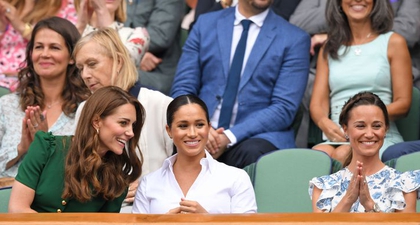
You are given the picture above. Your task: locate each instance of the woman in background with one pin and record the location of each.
(48, 94)
(17, 19)
(89, 172)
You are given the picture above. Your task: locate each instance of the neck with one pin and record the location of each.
(371, 164)
(52, 92)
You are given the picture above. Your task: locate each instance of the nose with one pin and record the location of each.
(129, 133)
(84, 74)
(192, 132)
(369, 132)
(45, 53)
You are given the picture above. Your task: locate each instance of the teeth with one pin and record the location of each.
(122, 141)
(357, 7)
(368, 142)
(191, 142)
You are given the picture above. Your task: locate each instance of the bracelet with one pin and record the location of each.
(27, 30)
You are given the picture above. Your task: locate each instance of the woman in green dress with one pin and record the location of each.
(87, 172)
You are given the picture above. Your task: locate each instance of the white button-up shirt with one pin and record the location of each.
(219, 188)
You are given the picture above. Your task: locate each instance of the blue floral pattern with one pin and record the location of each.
(386, 189)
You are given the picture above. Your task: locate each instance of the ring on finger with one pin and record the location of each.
(8, 10)
(36, 125)
(42, 117)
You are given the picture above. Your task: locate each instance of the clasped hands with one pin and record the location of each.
(217, 142)
(359, 189)
(187, 206)
(33, 121)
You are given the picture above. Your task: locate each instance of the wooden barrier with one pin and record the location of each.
(207, 219)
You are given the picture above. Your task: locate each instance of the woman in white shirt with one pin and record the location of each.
(192, 181)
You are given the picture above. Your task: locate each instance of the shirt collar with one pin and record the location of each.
(256, 19)
(207, 162)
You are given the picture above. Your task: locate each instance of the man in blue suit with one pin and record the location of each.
(272, 80)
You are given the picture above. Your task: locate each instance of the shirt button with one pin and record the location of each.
(58, 210)
(64, 202)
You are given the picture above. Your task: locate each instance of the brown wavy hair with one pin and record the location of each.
(339, 33)
(29, 88)
(42, 9)
(88, 174)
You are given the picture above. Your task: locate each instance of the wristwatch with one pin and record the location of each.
(375, 209)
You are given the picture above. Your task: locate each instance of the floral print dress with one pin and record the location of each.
(386, 189)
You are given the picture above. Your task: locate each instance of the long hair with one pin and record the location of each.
(29, 88)
(112, 47)
(88, 174)
(42, 9)
(339, 32)
(120, 14)
(362, 98)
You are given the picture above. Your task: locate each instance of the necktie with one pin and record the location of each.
(229, 96)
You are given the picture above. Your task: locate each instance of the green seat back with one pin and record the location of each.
(4, 91)
(409, 127)
(409, 162)
(282, 179)
(4, 199)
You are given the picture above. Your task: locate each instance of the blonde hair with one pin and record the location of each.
(120, 13)
(42, 9)
(112, 46)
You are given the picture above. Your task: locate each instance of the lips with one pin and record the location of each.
(358, 8)
(192, 143)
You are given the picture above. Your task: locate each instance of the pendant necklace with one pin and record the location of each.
(52, 104)
(357, 49)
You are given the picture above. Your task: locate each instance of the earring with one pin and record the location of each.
(346, 137)
(97, 130)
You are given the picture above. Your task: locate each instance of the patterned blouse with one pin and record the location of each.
(136, 40)
(11, 117)
(386, 189)
(13, 46)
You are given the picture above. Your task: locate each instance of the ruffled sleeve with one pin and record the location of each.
(331, 186)
(391, 198)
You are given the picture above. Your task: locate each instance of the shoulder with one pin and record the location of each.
(148, 96)
(396, 39)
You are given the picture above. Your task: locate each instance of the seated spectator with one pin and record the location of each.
(17, 19)
(192, 181)
(104, 61)
(400, 149)
(49, 91)
(365, 184)
(162, 19)
(345, 67)
(94, 14)
(100, 160)
(253, 91)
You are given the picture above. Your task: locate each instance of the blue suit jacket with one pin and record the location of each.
(273, 81)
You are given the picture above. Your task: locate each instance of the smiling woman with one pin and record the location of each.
(192, 181)
(100, 161)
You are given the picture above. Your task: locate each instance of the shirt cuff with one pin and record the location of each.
(231, 137)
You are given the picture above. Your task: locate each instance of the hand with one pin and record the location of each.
(8, 11)
(25, 139)
(103, 15)
(36, 120)
(364, 194)
(149, 62)
(213, 143)
(188, 206)
(131, 191)
(332, 130)
(317, 40)
(353, 191)
(84, 14)
(3, 19)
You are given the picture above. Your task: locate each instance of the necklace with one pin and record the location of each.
(52, 104)
(357, 49)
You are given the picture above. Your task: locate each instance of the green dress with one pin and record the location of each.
(42, 170)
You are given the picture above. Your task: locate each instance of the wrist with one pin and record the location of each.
(372, 207)
(27, 30)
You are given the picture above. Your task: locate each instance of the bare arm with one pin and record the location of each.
(401, 76)
(21, 198)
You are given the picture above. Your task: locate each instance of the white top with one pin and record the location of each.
(219, 188)
(254, 30)
(155, 144)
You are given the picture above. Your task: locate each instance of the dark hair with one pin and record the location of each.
(362, 98)
(339, 32)
(181, 101)
(29, 88)
(88, 174)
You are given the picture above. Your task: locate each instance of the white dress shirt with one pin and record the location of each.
(219, 188)
(254, 30)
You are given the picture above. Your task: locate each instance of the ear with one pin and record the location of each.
(96, 122)
(168, 130)
(344, 129)
(119, 64)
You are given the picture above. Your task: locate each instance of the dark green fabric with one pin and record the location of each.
(42, 170)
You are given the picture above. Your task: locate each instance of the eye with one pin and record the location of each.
(183, 126)
(124, 123)
(200, 125)
(377, 126)
(37, 47)
(360, 126)
(91, 64)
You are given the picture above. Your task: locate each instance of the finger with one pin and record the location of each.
(129, 200)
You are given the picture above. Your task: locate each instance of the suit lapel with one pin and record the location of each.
(224, 37)
(263, 42)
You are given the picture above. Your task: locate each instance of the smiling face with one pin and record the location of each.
(50, 55)
(357, 10)
(366, 129)
(189, 130)
(95, 66)
(116, 129)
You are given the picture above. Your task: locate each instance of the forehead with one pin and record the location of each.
(90, 49)
(48, 36)
(191, 111)
(367, 113)
(125, 111)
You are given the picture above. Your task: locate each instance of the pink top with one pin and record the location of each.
(13, 45)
